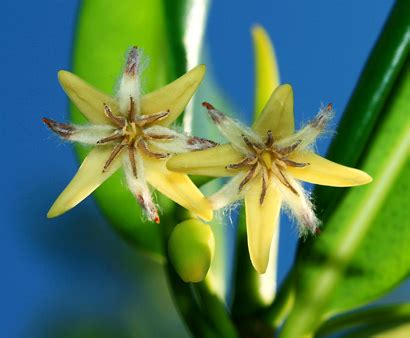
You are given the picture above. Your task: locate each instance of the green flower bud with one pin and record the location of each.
(191, 248)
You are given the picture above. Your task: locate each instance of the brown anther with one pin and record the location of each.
(269, 139)
(114, 153)
(264, 186)
(244, 163)
(150, 118)
(252, 145)
(248, 177)
(111, 138)
(152, 136)
(117, 120)
(143, 146)
(62, 129)
(289, 149)
(329, 106)
(286, 183)
(131, 110)
(131, 156)
(294, 164)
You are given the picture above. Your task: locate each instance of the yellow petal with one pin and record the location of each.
(277, 115)
(261, 222)
(174, 96)
(210, 162)
(88, 178)
(324, 172)
(88, 100)
(266, 68)
(178, 187)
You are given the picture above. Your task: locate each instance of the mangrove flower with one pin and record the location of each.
(132, 131)
(266, 163)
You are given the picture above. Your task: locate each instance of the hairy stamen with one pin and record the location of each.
(132, 110)
(264, 186)
(142, 120)
(287, 150)
(114, 137)
(286, 183)
(249, 160)
(252, 145)
(152, 136)
(143, 146)
(269, 139)
(294, 164)
(117, 120)
(248, 177)
(131, 156)
(114, 153)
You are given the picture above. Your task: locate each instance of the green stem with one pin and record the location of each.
(187, 307)
(215, 311)
(384, 314)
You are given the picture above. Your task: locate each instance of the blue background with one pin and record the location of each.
(72, 269)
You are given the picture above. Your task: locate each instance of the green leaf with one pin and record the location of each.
(387, 330)
(105, 31)
(386, 315)
(361, 222)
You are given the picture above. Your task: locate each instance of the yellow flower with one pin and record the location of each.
(132, 131)
(266, 163)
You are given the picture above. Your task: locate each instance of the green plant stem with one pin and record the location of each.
(377, 315)
(215, 311)
(187, 307)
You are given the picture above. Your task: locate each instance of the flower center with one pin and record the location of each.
(267, 159)
(131, 131)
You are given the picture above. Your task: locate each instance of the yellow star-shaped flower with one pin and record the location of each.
(132, 131)
(266, 163)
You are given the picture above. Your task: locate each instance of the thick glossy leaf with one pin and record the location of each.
(368, 231)
(105, 31)
(387, 315)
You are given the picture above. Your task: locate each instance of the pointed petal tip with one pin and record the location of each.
(259, 263)
(64, 76)
(257, 29)
(55, 211)
(207, 214)
(286, 88)
(198, 73)
(364, 178)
